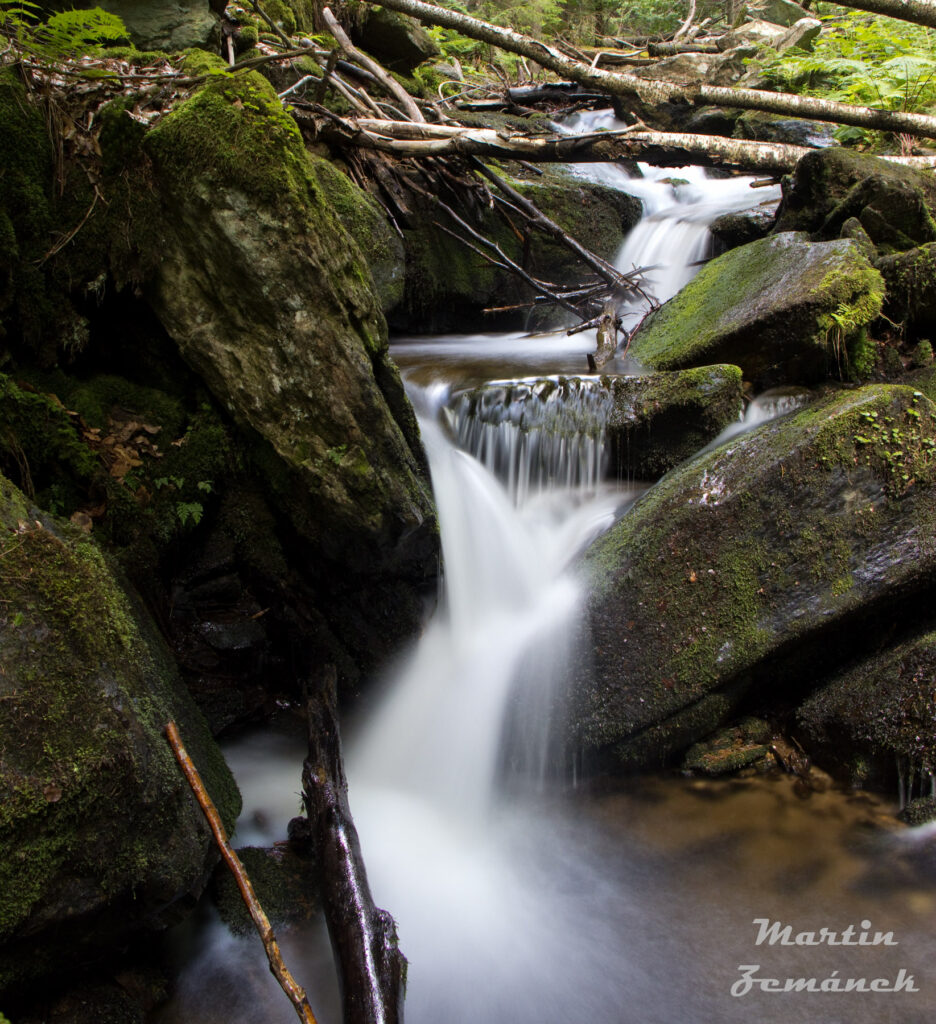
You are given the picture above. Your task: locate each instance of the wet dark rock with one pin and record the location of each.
(761, 127)
(286, 884)
(778, 308)
(100, 841)
(733, 229)
(752, 570)
(893, 203)
(880, 712)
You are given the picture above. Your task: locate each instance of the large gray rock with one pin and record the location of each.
(271, 301)
(159, 24)
(778, 12)
(100, 838)
(755, 569)
(778, 308)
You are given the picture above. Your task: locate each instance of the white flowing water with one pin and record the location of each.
(519, 901)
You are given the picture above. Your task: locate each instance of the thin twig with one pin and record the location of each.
(279, 969)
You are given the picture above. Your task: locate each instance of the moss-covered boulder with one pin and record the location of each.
(270, 300)
(648, 424)
(448, 285)
(879, 716)
(661, 419)
(753, 569)
(100, 838)
(783, 308)
(894, 203)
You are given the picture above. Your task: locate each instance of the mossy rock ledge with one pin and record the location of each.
(100, 837)
(755, 571)
(270, 300)
(783, 308)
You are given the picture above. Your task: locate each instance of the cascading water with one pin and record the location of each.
(514, 902)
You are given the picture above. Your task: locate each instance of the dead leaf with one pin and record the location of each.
(52, 791)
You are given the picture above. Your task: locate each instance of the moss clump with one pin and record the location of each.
(780, 308)
(234, 131)
(922, 354)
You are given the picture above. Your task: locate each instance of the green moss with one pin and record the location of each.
(235, 131)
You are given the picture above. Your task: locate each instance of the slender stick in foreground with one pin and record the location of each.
(280, 971)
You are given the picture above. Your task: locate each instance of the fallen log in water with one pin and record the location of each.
(371, 968)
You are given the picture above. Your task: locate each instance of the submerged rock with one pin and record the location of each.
(745, 745)
(754, 568)
(781, 308)
(100, 839)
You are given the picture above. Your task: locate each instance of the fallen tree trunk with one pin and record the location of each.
(371, 968)
(920, 12)
(663, 149)
(622, 84)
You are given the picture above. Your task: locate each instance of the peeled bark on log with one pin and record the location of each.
(920, 12)
(621, 84)
(371, 968)
(671, 49)
(664, 149)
